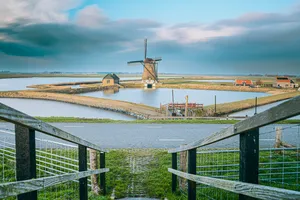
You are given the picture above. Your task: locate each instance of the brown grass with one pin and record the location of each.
(227, 108)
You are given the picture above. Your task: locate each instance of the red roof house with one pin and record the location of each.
(239, 82)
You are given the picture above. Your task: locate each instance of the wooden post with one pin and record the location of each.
(173, 102)
(186, 105)
(249, 158)
(83, 187)
(278, 137)
(25, 158)
(255, 106)
(215, 104)
(192, 156)
(174, 177)
(95, 177)
(183, 167)
(167, 110)
(102, 176)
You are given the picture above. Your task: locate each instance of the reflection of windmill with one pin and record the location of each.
(150, 67)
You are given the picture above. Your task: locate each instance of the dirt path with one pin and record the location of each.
(139, 111)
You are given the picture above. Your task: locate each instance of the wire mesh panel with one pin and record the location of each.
(279, 156)
(66, 191)
(182, 165)
(7, 154)
(56, 157)
(219, 160)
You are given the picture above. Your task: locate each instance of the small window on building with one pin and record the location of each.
(108, 81)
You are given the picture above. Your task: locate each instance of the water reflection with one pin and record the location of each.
(154, 97)
(22, 83)
(111, 91)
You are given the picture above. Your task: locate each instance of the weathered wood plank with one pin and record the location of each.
(249, 159)
(25, 158)
(20, 187)
(83, 184)
(248, 189)
(192, 169)
(11, 115)
(283, 111)
(174, 177)
(102, 176)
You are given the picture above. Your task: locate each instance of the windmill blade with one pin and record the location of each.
(136, 62)
(157, 59)
(145, 43)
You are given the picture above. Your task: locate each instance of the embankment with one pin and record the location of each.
(224, 88)
(66, 88)
(139, 111)
(228, 108)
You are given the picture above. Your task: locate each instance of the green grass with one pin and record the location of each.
(154, 178)
(162, 121)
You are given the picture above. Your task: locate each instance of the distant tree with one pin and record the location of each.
(259, 82)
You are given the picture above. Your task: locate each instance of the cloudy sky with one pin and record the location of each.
(192, 36)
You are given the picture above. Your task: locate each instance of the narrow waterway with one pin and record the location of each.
(44, 108)
(155, 97)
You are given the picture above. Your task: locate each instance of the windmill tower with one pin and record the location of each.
(150, 66)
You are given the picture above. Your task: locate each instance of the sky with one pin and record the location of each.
(191, 36)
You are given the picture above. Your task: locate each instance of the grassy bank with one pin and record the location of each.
(227, 108)
(177, 121)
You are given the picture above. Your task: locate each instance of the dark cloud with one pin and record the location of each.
(270, 43)
(70, 38)
(256, 20)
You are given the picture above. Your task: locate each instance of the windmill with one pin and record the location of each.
(150, 65)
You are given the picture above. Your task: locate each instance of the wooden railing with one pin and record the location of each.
(247, 187)
(27, 184)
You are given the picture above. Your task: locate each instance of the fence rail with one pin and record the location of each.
(283, 111)
(248, 168)
(26, 155)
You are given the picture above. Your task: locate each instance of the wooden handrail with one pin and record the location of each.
(248, 189)
(21, 187)
(14, 116)
(283, 111)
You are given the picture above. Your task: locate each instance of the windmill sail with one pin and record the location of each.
(145, 45)
(136, 62)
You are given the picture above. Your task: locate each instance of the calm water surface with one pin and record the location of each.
(154, 97)
(250, 112)
(44, 108)
(22, 83)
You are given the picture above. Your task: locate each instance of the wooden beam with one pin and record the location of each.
(249, 159)
(14, 116)
(20, 187)
(25, 158)
(248, 189)
(102, 176)
(174, 177)
(83, 186)
(283, 111)
(192, 165)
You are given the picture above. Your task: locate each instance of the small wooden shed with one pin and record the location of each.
(110, 79)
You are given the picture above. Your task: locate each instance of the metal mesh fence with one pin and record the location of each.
(279, 156)
(279, 161)
(53, 157)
